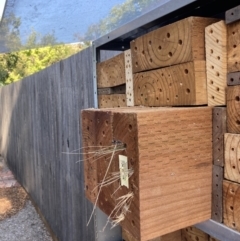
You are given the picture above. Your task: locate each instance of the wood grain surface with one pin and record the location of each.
(194, 234)
(216, 63)
(180, 42)
(170, 152)
(110, 101)
(219, 129)
(231, 204)
(233, 109)
(232, 157)
(233, 33)
(111, 72)
(182, 84)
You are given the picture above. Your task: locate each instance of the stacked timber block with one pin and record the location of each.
(231, 154)
(169, 65)
(114, 81)
(163, 160)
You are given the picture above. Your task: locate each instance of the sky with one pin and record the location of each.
(63, 17)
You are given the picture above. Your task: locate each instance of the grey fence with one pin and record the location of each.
(39, 125)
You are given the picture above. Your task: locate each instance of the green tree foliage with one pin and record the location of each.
(119, 15)
(31, 56)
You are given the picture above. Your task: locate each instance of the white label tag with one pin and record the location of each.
(123, 167)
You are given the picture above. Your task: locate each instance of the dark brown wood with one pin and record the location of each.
(194, 234)
(121, 89)
(233, 109)
(233, 78)
(217, 194)
(39, 127)
(219, 128)
(232, 15)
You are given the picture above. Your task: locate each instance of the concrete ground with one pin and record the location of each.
(19, 220)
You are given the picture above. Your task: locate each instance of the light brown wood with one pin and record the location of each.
(233, 33)
(213, 239)
(109, 101)
(111, 72)
(180, 42)
(182, 84)
(231, 205)
(129, 78)
(170, 152)
(216, 63)
(233, 109)
(194, 234)
(232, 157)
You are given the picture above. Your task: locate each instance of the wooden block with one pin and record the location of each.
(170, 153)
(217, 196)
(129, 78)
(213, 239)
(120, 89)
(111, 72)
(233, 78)
(193, 234)
(180, 42)
(219, 129)
(216, 63)
(175, 236)
(232, 157)
(233, 109)
(232, 15)
(233, 32)
(183, 84)
(109, 101)
(231, 204)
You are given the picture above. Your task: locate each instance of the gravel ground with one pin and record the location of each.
(26, 225)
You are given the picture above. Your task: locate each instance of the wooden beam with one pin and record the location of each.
(216, 63)
(219, 129)
(232, 157)
(217, 194)
(182, 84)
(110, 101)
(120, 89)
(233, 109)
(176, 43)
(111, 72)
(231, 205)
(193, 234)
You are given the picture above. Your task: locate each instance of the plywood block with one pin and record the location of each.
(232, 14)
(219, 129)
(232, 157)
(193, 234)
(233, 109)
(129, 78)
(169, 151)
(216, 63)
(231, 205)
(180, 42)
(182, 84)
(217, 197)
(109, 101)
(233, 33)
(111, 72)
(233, 78)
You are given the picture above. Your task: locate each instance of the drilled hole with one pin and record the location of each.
(143, 52)
(211, 51)
(150, 42)
(211, 82)
(168, 35)
(233, 224)
(238, 122)
(233, 167)
(130, 127)
(217, 73)
(151, 60)
(88, 128)
(86, 187)
(218, 57)
(231, 190)
(103, 133)
(159, 47)
(186, 71)
(135, 48)
(156, 98)
(212, 67)
(217, 89)
(180, 42)
(133, 223)
(231, 79)
(234, 46)
(233, 33)
(237, 98)
(213, 97)
(217, 40)
(187, 91)
(232, 149)
(170, 54)
(136, 64)
(232, 13)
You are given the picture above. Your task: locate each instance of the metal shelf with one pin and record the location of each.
(219, 231)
